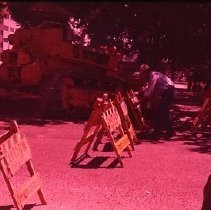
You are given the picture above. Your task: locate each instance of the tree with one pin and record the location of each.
(180, 31)
(3, 6)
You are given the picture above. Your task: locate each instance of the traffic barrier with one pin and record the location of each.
(134, 107)
(204, 116)
(104, 119)
(15, 152)
(93, 130)
(127, 125)
(113, 128)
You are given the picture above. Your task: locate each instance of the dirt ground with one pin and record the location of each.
(161, 175)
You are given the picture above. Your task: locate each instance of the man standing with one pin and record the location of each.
(158, 94)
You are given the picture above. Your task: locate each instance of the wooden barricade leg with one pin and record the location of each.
(203, 117)
(127, 124)
(99, 138)
(10, 186)
(31, 170)
(208, 114)
(112, 122)
(128, 146)
(132, 136)
(125, 119)
(120, 145)
(87, 138)
(135, 110)
(115, 149)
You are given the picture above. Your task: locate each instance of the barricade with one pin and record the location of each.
(135, 110)
(127, 125)
(113, 127)
(104, 119)
(93, 129)
(15, 152)
(204, 116)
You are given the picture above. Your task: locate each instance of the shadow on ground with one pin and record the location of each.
(26, 114)
(26, 207)
(86, 161)
(97, 162)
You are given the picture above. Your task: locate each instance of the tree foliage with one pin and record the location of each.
(3, 6)
(180, 31)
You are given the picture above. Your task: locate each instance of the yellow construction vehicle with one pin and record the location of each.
(43, 59)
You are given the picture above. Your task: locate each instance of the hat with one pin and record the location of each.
(143, 68)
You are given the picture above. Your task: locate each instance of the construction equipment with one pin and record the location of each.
(45, 65)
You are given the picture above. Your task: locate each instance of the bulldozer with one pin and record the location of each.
(45, 66)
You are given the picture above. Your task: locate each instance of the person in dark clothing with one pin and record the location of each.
(189, 77)
(206, 205)
(158, 94)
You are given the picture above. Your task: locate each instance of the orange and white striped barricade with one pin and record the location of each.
(15, 152)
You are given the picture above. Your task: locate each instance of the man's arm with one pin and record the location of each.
(151, 85)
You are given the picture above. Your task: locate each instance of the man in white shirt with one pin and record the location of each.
(159, 94)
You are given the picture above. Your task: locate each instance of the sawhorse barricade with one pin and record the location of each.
(127, 125)
(135, 110)
(119, 103)
(113, 125)
(93, 129)
(204, 116)
(103, 120)
(15, 152)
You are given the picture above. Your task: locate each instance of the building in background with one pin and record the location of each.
(7, 26)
